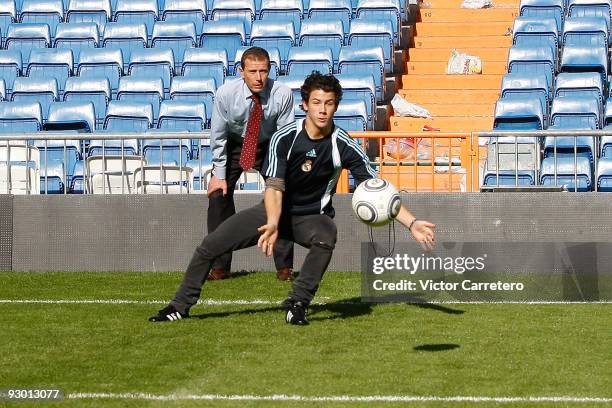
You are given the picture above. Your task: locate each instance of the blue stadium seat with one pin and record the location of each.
(294, 83)
(207, 63)
(153, 62)
(324, 33)
(533, 86)
(25, 37)
(76, 184)
(283, 10)
(518, 112)
(8, 16)
(574, 174)
(137, 12)
(10, 67)
(50, 12)
(364, 61)
(194, 89)
(77, 37)
(3, 95)
(331, 10)
(585, 59)
(201, 171)
(41, 90)
(536, 32)
(604, 175)
(275, 61)
(279, 34)
(226, 34)
(381, 10)
(105, 63)
(303, 60)
(179, 36)
(532, 61)
(605, 142)
(173, 152)
(360, 87)
(589, 8)
(544, 9)
(20, 117)
(52, 180)
(193, 11)
(240, 10)
(89, 11)
(95, 90)
(124, 116)
(51, 63)
(586, 31)
(352, 115)
(580, 84)
(373, 33)
(143, 89)
(126, 37)
(176, 115)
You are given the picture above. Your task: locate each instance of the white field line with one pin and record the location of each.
(263, 302)
(338, 398)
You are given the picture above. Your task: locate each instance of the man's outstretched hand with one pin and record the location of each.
(269, 234)
(423, 233)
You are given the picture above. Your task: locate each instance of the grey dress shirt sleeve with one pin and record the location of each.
(286, 114)
(219, 132)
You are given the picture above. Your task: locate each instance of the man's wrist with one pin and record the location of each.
(411, 224)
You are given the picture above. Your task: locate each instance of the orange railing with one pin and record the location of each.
(422, 161)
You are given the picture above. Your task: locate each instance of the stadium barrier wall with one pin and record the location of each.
(160, 232)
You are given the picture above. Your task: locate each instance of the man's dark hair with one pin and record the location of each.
(326, 83)
(255, 53)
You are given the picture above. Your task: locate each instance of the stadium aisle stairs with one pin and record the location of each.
(459, 103)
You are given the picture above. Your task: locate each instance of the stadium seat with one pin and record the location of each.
(25, 37)
(352, 115)
(586, 31)
(201, 173)
(89, 11)
(604, 175)
(381, 10)
(205, 63)
(275, 61)
(20, 117)
(3, 95)
(178, 36)
(373, 33)
(96, 90)
(226, 34)
(339, 10)
(19, 179)
(162, 179)
(52, 177)
(193, 11)
(605, 142)
(585, 59)
(324, 33)
(535, 32)
(105, 63)
(279, 34)
(171, 152)
(126, 37)
(364, 61)
(195, 89)
(573, 173)
(50, 12)
(76, 184)
(124, 116)
(77, 37)
(237, 10)
(294, 83)
(533, 61)
(580, 84)
(544, 9)
(589, 8)
(137, 12)
(153, 62)
(518, 112)
(533, 86)
(51, 63)
(303, 60)
(10, 67)
(283, 10)
(143, 89)
(8, 16)
(41, 90)
(112, 174)
(182, 115)
(360, 87)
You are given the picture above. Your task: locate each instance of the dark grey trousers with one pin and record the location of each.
(315, 232)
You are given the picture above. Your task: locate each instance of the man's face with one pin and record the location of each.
(255, 74)
(320, 108)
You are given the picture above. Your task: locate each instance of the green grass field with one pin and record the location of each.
(350, 349)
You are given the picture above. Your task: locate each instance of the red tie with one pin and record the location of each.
(251, 136)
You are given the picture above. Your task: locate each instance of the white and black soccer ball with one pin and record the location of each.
(376, 202)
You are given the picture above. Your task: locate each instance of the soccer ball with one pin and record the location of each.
(376, 202)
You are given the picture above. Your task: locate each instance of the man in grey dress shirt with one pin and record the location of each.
(233, 103)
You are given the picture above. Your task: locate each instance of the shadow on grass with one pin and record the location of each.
(436, 347)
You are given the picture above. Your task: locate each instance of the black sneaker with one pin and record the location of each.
(168, 314)
(296, 313)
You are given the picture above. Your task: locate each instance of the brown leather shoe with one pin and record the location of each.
(284, 274)
(218, 274)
